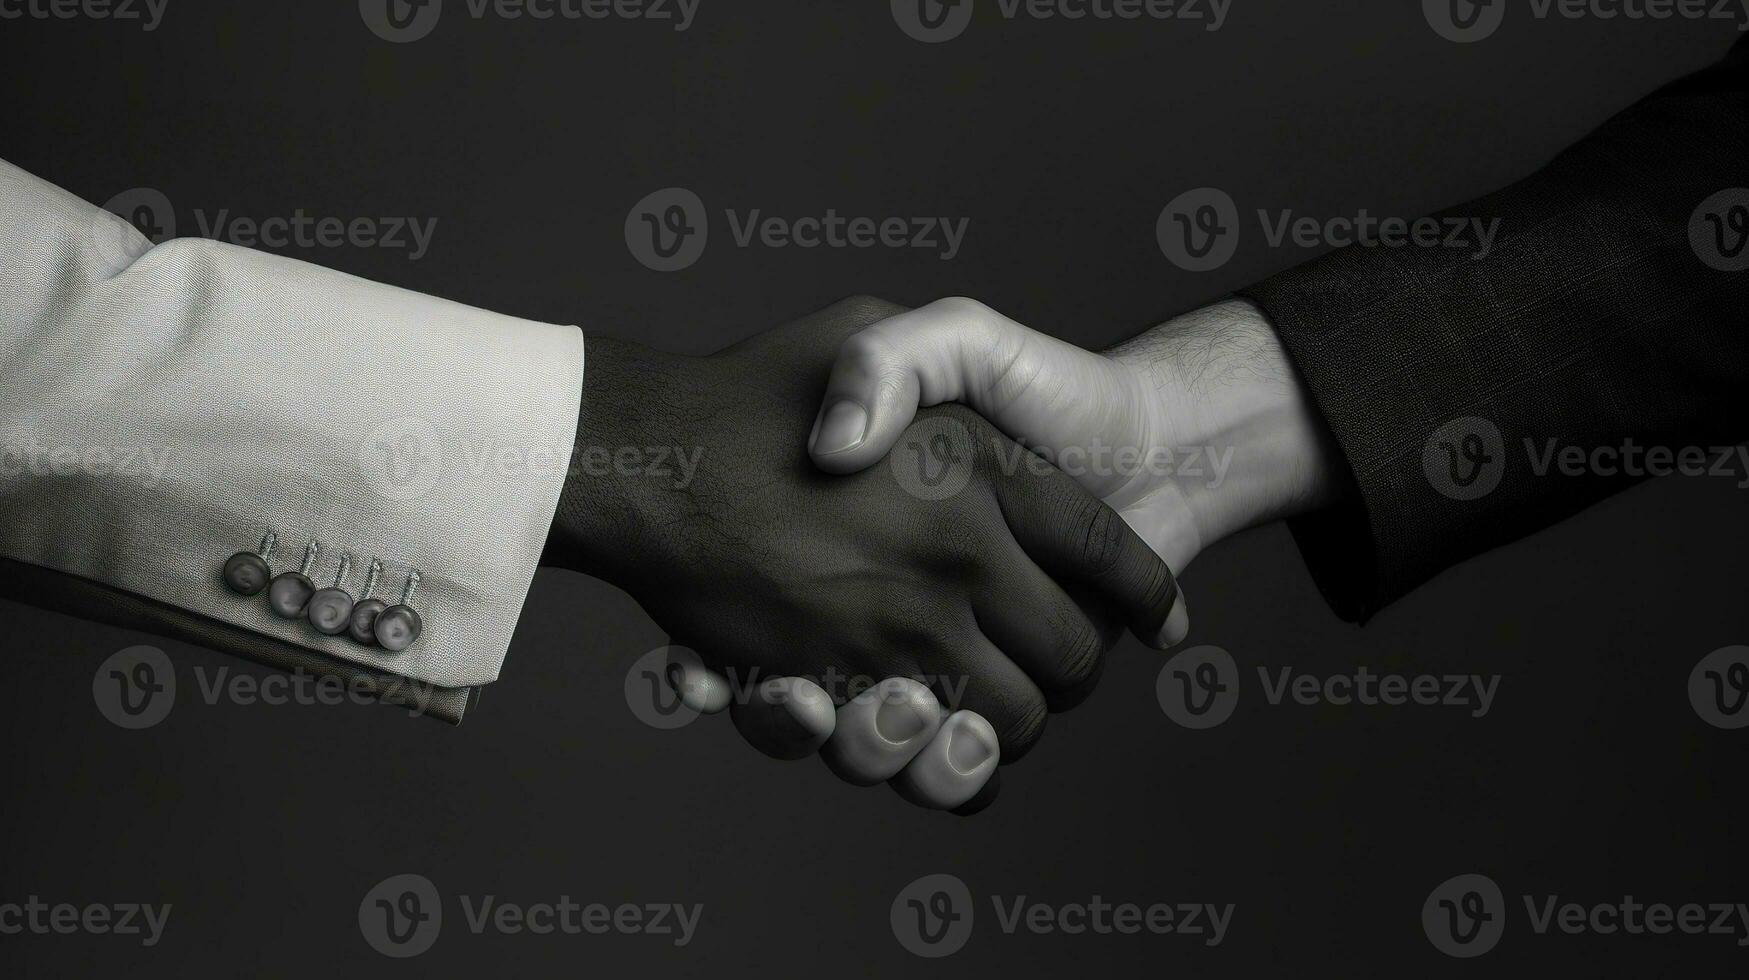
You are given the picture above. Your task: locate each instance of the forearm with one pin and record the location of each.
(1596, 323)
(166, 407)
(1220, 377)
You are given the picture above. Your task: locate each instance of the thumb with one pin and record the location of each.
(953, 350)
(877, 385)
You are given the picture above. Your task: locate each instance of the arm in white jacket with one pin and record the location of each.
(163, 408)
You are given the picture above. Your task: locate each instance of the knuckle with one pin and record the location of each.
(963, 308)
(1161, 590)
(975, 328)
(1102, 539)
(867, 348)
(1082, 652)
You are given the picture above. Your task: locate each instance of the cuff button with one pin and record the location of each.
(398, 626)
(247, 573)
(331, 609)
(363, 624)
(290, 593)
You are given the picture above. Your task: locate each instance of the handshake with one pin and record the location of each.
(975, 516)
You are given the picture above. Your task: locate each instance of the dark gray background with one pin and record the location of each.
(529, 142)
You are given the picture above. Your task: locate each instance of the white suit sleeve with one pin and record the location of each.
(163, 408)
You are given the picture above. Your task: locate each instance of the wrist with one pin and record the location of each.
(607, 508)
(1218, 382)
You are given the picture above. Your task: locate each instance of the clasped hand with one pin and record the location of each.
(906, 590)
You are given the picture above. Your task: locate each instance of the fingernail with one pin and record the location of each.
(1176, 627)
(898, 721)
(967, 749)
(841, 428)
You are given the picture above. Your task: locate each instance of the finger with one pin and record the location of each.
(880, 730)
(699, 687)
(954, 766)
(995, 687)
(1077, 539)
(1042, 628)
(785, 717)
(1029, 384)
(1177, 624)
(884, 372)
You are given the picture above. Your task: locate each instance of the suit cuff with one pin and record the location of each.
(1344, 545)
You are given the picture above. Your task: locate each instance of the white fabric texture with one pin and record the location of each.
(162, 408)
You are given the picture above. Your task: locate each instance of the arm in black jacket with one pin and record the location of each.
(1594, 322)
(1404, 408)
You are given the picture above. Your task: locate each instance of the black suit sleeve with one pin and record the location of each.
(1593, 323)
